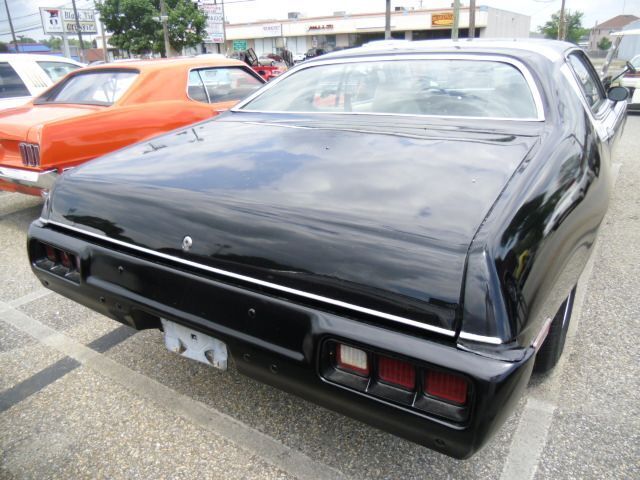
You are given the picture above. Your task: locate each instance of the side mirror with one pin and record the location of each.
(617, 94)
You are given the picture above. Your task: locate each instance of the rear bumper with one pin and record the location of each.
(28, 178)
(280, 342)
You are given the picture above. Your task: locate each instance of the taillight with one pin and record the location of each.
(352, 359)
(397, 372)
(57, 261)
(30, 153)
(446, 386)
(404, 382)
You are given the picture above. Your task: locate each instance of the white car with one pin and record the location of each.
(23, 76)
(632, 82)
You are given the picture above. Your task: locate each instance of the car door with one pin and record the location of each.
(608, 117)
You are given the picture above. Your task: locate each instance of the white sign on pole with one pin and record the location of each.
(215, 21)
(63, 20)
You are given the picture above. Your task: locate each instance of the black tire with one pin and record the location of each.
(552, 348)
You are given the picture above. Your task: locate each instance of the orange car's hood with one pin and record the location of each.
(15, 123)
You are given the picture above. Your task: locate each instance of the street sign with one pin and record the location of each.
(215, 21)
(63, 20)
(239, 45)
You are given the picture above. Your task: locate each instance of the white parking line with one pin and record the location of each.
(530, 437)
(270, 450)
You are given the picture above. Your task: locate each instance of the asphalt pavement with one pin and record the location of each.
(82, 396)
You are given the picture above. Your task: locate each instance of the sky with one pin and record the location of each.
(26, 19)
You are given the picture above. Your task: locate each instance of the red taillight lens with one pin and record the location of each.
(51, 253)
(67, 260)
(397, 372)
(352, 359)
(446, 386)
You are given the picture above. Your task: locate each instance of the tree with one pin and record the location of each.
(604, 43)
(573, 26)
(54, 43)
(186, 25)
(23, 39)
(137, 29)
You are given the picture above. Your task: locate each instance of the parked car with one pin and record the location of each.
(631, 80)
(406, 253)
(23, 76)
(103, 108)
(267, 67)
(630, 76)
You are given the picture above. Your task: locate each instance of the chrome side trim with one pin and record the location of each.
(480, 338)
(29, 178)
(535, 92)
(544, 331)
(262, 283)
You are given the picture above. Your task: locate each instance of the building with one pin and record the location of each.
(343, 30)
(605, 29)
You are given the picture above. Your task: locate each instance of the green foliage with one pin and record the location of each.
(573, 26)
(137, 28)
(23, 39)
(186, 25)
(604, 43)
(54, 43)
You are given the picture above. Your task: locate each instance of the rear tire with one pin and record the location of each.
(551, 350)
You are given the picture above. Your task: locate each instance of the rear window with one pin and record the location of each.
(10, 83)
(441, 87)
(57, 70)
(97, 87)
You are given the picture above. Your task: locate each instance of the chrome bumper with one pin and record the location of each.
(29, 178)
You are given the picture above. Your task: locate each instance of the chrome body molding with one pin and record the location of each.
(480, 338)
(262, 283)
(29, 178)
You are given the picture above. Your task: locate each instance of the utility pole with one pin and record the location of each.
(456, 20)
(165, 28)
(387, 21)
(13, 33)
(472, 19)
(224, 30)
(75, 14)
(561, 27)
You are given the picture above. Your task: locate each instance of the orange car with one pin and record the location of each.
(96, 110)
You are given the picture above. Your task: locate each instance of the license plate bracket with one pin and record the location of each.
(195, 345)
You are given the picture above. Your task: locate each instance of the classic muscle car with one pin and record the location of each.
(99, 109)
(405, 253)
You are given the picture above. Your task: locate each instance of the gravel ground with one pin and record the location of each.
(85, 424)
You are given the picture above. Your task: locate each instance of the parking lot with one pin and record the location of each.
(82, 396)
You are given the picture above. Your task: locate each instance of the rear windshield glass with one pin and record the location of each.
(10, 83)
(99, 87)
(442, 87)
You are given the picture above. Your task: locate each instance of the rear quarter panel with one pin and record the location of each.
(536, 241)
(70, 142)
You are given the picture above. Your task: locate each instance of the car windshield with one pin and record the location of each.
(441, 87)
(10, 83)
(97, 87)
(57, 70)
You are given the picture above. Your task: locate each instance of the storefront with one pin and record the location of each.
(342, 31)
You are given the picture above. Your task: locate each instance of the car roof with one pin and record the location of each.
(553, 50)
(28, 57)
(163, 63)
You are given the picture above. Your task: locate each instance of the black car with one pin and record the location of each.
(394, 232)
